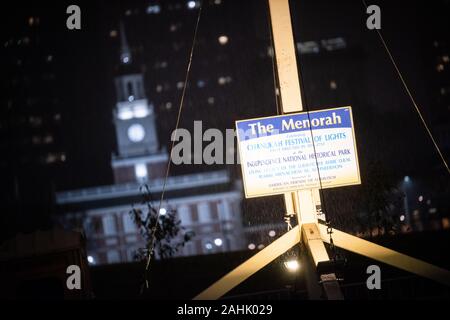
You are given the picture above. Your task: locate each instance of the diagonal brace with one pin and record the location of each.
(251, 266)
(374, 251)
(342, 240)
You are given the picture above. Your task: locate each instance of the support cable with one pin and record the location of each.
(411, 97)
(174, 138)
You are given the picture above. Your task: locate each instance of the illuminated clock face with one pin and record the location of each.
(136, 132)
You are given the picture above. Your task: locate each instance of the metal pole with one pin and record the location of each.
(303, 203)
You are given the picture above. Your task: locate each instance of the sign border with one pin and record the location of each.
(357, 182)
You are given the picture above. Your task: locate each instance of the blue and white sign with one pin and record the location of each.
(289, 152)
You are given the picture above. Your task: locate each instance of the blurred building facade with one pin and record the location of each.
(104, 212)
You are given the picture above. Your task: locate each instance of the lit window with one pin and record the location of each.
(223, 40)
(445, 223)
(141, 111)
(129, 225)
(153, 9)
(184, 213)
(140, 170)
(224, 80)
(204, 212)
(125, 114)
(113, 256)
(308, 47)
(50, 158)
(192, 4)
(35, 121)
(54, 157)
(48, 139)
(333, 85)
(334, 44)
(136, 132)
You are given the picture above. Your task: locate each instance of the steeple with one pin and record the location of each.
(138, 153)
(125, 53)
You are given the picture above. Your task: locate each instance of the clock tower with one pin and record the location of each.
(139, 157)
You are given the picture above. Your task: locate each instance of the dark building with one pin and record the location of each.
(206, 203)
(437, 54)
(31, 113)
